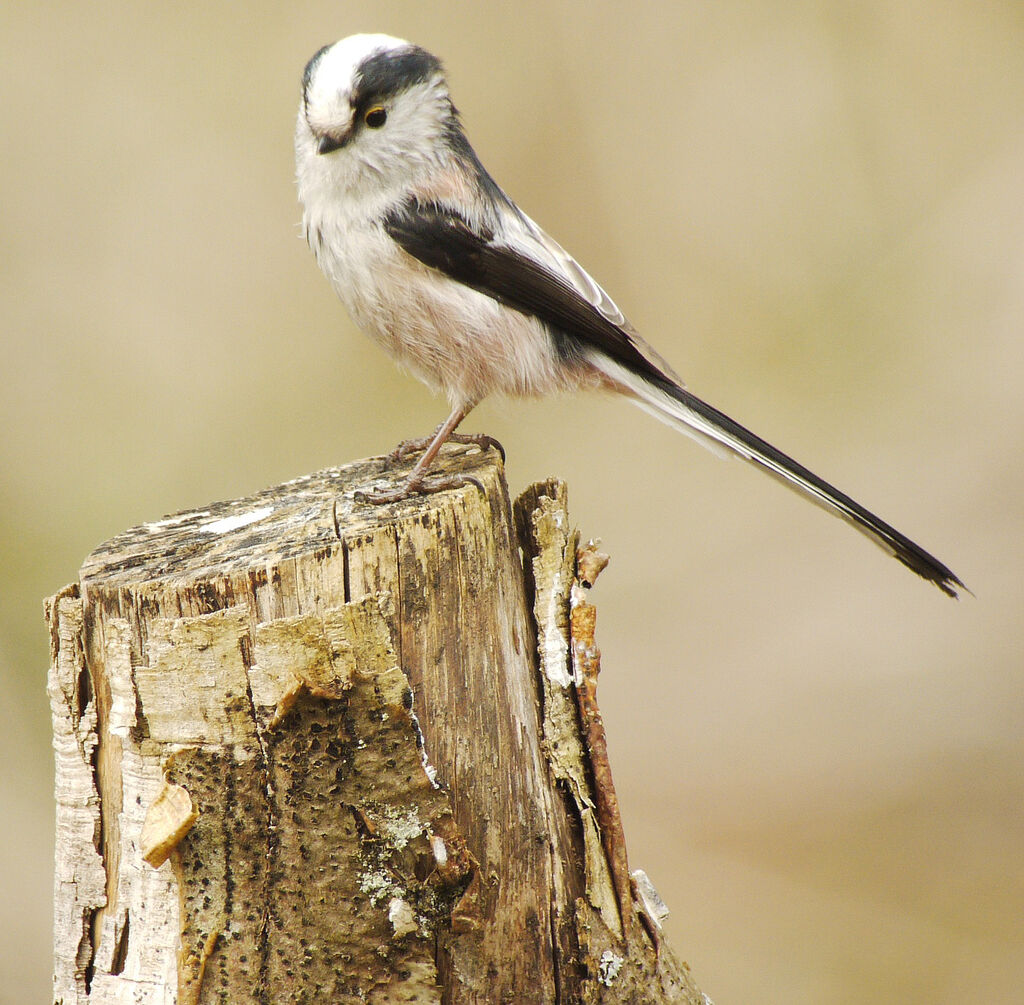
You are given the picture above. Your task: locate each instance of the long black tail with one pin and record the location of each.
(688, 413)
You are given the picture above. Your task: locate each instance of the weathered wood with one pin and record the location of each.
(310, 749)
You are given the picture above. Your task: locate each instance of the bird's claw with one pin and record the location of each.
(420, 486)
(482, 440)
(415, 446)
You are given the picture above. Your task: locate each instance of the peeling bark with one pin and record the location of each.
(310, 749)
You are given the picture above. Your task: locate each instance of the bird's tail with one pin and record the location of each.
(686, 412)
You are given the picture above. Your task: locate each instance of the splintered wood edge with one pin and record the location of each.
(169, 818)
(545, 516)
(79, 875)
(629, 959)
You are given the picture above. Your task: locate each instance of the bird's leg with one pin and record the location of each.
(418, 481)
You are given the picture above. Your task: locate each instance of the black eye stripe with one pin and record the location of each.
(385, 74)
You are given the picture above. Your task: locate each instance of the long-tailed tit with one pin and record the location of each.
(440, 267)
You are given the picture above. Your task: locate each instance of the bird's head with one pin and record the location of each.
(375, 115)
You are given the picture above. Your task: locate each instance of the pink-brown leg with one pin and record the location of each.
(418, 481)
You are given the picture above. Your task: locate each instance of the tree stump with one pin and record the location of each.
(310, 749)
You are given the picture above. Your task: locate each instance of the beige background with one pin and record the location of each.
(815, 211)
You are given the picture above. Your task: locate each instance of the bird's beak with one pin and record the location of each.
(328, 143)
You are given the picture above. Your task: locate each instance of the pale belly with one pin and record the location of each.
(453, 338)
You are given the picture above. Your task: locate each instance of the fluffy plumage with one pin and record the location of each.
(440, 267)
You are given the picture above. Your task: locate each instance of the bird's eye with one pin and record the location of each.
(376, 117)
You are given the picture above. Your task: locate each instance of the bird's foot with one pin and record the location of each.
(482, 440)
(426, 485)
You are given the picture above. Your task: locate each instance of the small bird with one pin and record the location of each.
(437, 264)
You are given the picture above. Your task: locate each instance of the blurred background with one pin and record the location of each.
(815, 211)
